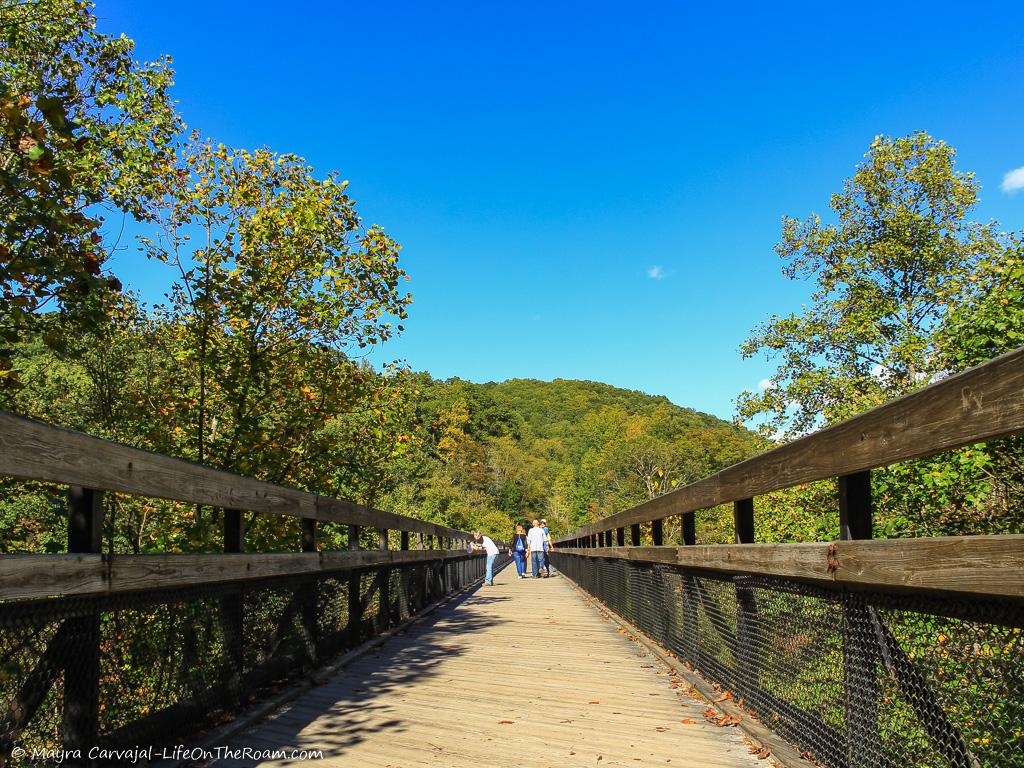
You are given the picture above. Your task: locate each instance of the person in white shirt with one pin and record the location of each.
(535, 541)
(547, 547)
(481, 542)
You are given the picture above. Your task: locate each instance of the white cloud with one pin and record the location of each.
(764, 384)
(655, 272)
(1014, 180)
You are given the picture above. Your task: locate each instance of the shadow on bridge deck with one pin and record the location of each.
(525, 673)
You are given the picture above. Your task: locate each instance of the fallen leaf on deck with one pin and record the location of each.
(688, 721)
(724, 697)
(593, 702)
(506, 722)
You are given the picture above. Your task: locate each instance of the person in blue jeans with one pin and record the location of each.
(547, 547)
(518, 551)
(487, 545)
(535, 541)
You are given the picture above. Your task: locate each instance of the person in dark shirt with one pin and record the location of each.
(547, 548)
(518, 550)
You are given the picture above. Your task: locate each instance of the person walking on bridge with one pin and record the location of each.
(518, 550)
(547, 547)
(535, 541)
(481, 542)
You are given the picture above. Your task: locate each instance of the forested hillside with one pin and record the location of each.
(570, 450)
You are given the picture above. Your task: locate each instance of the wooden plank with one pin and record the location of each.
(33, 450)
(131, 573)
(989, 566)
(593, 700)
(978, 404)
(805, 561)
(977, 565)
(25, 577)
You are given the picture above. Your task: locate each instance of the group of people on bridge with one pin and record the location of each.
(532, 547)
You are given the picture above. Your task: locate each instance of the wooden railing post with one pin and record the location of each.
(80, 729)
(310, 596)
(860, 681)
(232, 607)
(384, 586)
(855, 512)
(747, 636)
(404, 580)
(355, 603)
(689, 523)
(691, 643)
(743, 520)
(658, 532)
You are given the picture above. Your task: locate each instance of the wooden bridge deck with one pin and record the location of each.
(525, 673)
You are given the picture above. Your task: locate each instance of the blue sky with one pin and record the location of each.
(591, 190)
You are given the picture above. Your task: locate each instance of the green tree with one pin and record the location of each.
(908, 287)
(901, 254)
(84, 131)
(278, 280)
(993, 322)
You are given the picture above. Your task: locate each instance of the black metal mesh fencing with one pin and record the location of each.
(151, 668)
(851, 678)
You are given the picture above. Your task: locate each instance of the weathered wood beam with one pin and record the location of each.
(33, 450)
(990, 566)
(25, 577)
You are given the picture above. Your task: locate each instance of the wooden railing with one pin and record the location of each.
(69, 620)
(924, 636)
(33, 450)
(978, 404)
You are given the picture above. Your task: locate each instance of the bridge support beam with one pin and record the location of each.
(689, 523)
(860, 682)
(232, 609)
(355, 604)
(747, 635)
(658, 532)
(310, 597)
(80, 729)
(384, 587)
(406, 581)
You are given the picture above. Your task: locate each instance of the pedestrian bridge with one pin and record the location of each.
(527, 673)
(646, 647)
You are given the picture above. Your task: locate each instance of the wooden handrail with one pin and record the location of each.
(989, 566)
(32, 577)
(34, 450)
(975, 405)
